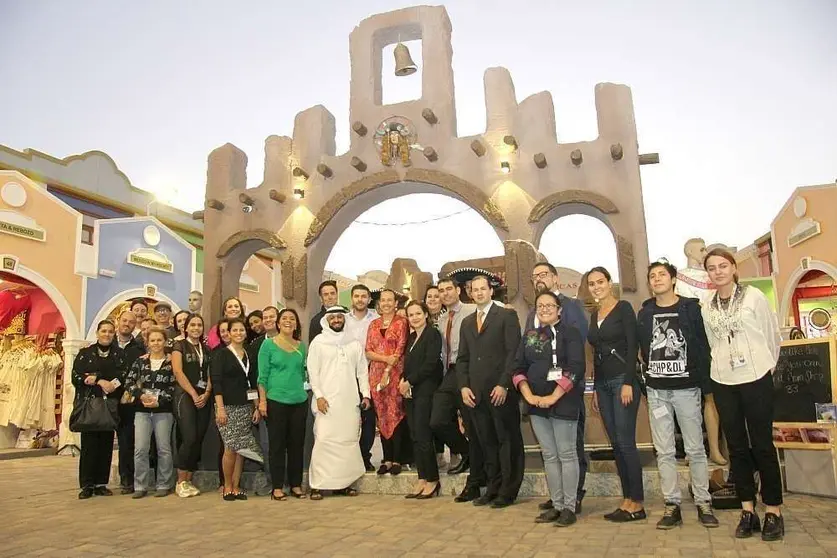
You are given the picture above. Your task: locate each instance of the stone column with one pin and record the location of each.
(69, 442)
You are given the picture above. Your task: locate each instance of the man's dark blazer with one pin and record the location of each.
(486, 358)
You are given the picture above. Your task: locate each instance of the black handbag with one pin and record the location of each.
(92, 413)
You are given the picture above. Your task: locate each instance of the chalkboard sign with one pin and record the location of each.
(802, 378)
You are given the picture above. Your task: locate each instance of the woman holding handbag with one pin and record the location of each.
(98, 372)
(150, 385)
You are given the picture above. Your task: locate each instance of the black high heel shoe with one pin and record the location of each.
(432, 494)
(281, 498)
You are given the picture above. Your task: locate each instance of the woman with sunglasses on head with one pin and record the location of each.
(613, 335)
(236, 399)
(284, 402)
(231, 308)
(98, 371)
(549, 373)
(192, 403)
(744, 337)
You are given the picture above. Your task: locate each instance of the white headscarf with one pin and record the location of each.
(329, 336)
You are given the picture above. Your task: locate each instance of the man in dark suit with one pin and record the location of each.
(488, 342)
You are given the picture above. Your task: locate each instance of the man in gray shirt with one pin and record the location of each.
(448, 400)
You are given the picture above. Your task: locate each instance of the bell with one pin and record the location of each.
(404, 65)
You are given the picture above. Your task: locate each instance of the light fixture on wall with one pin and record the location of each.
(404, 65)
(299, 193)
(505, 167)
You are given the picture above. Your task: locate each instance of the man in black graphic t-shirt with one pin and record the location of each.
(674, 348)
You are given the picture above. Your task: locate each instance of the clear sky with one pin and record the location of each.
(737, 97)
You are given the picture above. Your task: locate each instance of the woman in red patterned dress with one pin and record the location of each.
(385, 343)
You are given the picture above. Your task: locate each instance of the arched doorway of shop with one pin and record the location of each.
(810, 300)
(53, 301)
(122, 301)
(487, 236)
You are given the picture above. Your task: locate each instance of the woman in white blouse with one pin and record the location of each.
(744, 336)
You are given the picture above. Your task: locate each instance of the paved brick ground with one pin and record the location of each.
(41, 516)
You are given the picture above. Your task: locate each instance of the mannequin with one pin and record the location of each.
(195, 302)
(694, 282)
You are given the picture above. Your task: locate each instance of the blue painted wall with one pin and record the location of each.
(116, 240)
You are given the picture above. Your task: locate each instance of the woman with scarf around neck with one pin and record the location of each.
(98, 370)
(150, 384)
(192, 403)
(744, 336)
(549, 373)
(236, 399)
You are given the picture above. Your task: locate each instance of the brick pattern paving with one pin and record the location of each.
(43, 517)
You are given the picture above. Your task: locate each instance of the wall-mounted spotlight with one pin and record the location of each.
(505, 167)
(299, 193)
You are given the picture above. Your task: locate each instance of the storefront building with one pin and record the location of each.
(137, 257)
(41, 298)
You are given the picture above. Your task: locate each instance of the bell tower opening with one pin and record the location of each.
(401, 72)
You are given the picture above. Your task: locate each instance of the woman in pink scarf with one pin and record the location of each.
(232, 308)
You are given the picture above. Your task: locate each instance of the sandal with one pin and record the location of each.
(316, 495)
(348, 492)
(229, 496)
(281, 498)
(298, 495)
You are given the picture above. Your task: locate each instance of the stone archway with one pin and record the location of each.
(601, 207)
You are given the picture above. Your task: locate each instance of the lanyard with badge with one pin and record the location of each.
(556, 372)
(252, 394)
(736, 358)
(306, 385)
(199, 350)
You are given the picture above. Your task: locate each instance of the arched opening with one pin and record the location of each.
(122, 301)
(485, 236)
(810, 300)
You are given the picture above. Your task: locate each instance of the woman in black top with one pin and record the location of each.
(150, 384)
(192, 404)
(179, 322)
(422, 375)
(549, 373)
(98, 371)
(234, 383)
(613, 336)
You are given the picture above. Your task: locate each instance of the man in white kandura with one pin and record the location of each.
(339, 377)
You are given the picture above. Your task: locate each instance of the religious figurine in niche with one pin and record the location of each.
(694, 282)
(394, 138)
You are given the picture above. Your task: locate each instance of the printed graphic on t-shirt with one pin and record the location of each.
(667, 358)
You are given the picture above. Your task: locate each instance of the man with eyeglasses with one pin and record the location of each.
(545, 279)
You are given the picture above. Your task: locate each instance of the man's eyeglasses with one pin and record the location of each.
(540, 276)
(546, 306)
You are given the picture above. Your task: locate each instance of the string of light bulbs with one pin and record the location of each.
(408, 223)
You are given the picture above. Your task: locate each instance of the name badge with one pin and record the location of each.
(252, 395)
(554, 374)
(738, 362)
(116, 382)
(201, 385)
(306, 386)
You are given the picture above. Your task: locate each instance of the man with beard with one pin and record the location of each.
(140, 310)
(328, 297)
(133, 348)
(545, 278)
(339, 377)
(357, 326)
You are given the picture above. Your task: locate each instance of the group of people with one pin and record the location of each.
(442, 372)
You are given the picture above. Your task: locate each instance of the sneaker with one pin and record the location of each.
(86, 492)
(671, 517)
(126, 489)
(162, 492)
(566, 518)
(706, 517)
(747, 525)
(548, 516)
(193, 489)
(546, 505)
(102, 491)
(182, 490)
(774, 527)
(139, 494)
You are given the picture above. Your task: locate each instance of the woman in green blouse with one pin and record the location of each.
(284, 403)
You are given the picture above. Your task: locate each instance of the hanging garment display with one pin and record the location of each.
(15, 305)
(27, 385)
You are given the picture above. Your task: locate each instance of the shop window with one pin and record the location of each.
(87, 234)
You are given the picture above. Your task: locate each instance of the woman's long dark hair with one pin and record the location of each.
(298, 329)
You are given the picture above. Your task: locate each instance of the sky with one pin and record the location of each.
(737, 97)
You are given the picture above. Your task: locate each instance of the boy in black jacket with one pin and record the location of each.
(674, 348)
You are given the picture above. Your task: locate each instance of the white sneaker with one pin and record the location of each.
(182, 490)
(192, 489)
